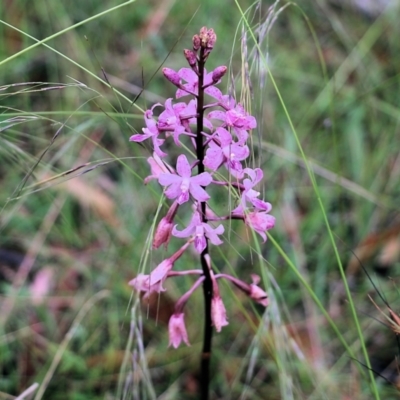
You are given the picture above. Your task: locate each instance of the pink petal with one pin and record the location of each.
(217, 115)
(157, 168)
(140, 283)
(174, 191)
(190, 110)
(203, 179)
(183, 197)
(214, 92)
(207, 123)
(183, 166)
(261, 205)
(198, 193)
(138, 138)
(179, 130)
(208, 78)
(200, 244)
(242, 135)
(188, 75)
(156, 145)
(236, 153)
(227, 102)
(256, 293)
(177, 330)
(238, 212)
(212, 234)
(184, 233)
(182, 93)
(218, 313)
(260, 222)
(224, 136)
(251, 173)
(159, 274)
(255, 175)
(169, 179)
(191, 228)
(214, 158)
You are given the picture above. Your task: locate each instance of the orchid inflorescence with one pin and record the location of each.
(219, 141)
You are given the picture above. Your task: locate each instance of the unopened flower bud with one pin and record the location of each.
(203, 36)
(256, 293)
(207, 37)
(196, 42)
(163, 233)
(191, 58)
(218, 73)
(212, 38)
(172, 76)
(164, 228)
(218, 313)
(177, 330)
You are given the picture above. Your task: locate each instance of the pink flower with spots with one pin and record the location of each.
(223, 150)
(200, 230)
(235, 117)
(238, 118)
(182, 184)
(260, 221)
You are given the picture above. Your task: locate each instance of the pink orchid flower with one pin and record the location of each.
(178, 117)
(201, 230)
(182, 184)
(235, 117)
(260, 221)
(153, 282)
(170, 119)
(227, 152)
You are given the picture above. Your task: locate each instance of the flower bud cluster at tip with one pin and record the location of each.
(226, 130)
(207, 38)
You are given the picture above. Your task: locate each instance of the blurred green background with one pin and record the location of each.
(75, 216)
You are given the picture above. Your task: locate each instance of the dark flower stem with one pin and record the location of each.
(207, 284)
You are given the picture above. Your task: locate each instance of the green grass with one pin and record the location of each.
(325, 92)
